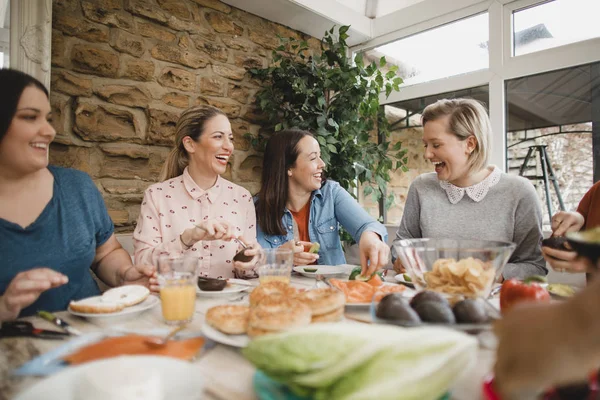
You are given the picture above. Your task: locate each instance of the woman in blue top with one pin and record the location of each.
(296, 206)
(53, 222)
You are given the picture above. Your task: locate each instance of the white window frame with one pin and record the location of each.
(502, 65)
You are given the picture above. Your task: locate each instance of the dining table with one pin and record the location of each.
(229, 374)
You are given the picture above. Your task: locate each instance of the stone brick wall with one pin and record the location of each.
(122, 72)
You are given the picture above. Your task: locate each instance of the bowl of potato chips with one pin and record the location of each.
(454, 267)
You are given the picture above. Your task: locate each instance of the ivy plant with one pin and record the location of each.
(337, 99)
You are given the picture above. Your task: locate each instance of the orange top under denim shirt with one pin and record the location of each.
(172, 206)
(301, 218)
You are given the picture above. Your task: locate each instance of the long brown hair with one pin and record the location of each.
(281, 154)
(191, 123)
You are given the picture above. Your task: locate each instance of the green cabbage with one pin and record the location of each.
(359, 361)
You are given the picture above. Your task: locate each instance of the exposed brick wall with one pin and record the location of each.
(122, 72)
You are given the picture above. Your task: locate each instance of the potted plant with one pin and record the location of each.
(337, 99)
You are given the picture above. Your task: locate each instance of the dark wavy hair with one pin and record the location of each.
(13, 83)
(281, 154)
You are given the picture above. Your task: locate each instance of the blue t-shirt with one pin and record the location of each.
(64, 238)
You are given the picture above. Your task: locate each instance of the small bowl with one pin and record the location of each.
(431, 263)
(211, 284)
(586, 243)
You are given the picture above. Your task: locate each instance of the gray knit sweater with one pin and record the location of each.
(510, 212)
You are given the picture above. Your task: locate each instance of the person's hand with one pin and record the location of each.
(374, 253)
(566, 221)
(562, 260)
(25, 288)
(398, 267)
(140, 274)
(247, 270)
(211, 229)
(301, 257)
(540, 346)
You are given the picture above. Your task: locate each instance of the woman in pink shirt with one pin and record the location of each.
(193, 210)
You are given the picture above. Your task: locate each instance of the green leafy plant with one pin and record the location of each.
(337, 100)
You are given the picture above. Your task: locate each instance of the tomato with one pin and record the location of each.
(514, 291)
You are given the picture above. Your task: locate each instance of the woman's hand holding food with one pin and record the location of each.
(25, 288)
(302, 255)
(564, 222)
(246, 270)
(374, 253)
(211, 229)
(559, 256)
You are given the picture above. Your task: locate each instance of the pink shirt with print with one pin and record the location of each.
(172, 206)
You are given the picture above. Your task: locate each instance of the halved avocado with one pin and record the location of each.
(211, 284)
(314, 248)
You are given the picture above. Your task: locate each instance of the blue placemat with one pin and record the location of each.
(269, 389)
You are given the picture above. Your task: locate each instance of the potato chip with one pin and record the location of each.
(468, 277)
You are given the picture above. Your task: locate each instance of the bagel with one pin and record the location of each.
(269, 289)
(322, 301)
(128, 295)
(333, 316)
(95, 305)
(254, 332)
(279, 315)
(230, 319)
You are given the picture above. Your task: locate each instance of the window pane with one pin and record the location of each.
(556, 110)
(405, 127)
(449, 50)
(554, 24)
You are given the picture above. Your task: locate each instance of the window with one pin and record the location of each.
(556, 110)
(555, 23)
(448, 50)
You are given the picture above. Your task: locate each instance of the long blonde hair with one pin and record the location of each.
(191, 123)
(468, 117)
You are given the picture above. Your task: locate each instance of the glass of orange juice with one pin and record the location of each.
(275, 265)
(177, 279)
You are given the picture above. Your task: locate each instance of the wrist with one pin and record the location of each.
(121, 275)
(187, 239)
(5, 313)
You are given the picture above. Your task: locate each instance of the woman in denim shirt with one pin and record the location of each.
(296, 206)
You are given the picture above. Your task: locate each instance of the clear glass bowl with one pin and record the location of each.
(454, 267)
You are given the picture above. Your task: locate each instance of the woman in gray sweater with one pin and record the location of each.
(465, 198)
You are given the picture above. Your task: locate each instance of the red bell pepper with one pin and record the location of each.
(514, 291)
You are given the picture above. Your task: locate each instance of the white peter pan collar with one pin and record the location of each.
(476, 192)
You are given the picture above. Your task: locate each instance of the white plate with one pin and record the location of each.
(400, 278)
(233, 286)
(223, 338)
(325, 270)
(179, 379)
(150, 302)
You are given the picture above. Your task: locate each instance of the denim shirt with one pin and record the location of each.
(330, 206)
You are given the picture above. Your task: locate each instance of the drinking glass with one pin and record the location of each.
(275, 265)
(177, 280)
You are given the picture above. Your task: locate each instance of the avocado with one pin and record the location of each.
(314, 248)
(428, 295)
(397, 308)
(470, 311)
(211, 284)
(436, 312)
(557, 242)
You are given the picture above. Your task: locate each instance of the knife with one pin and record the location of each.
(48, 316)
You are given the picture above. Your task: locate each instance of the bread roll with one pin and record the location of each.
(230, 319)
(95, 305)
(128, 295)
